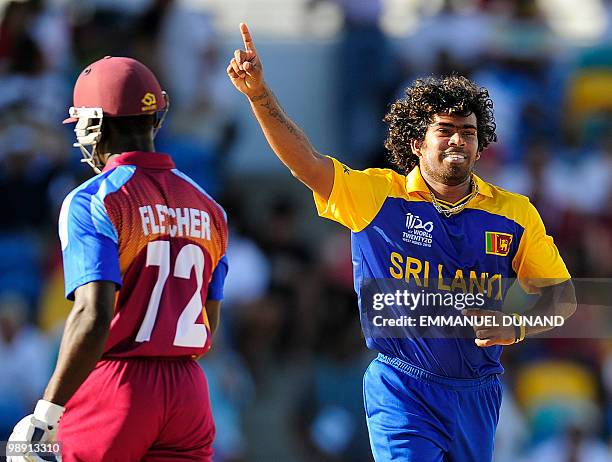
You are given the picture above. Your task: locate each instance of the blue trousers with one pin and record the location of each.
(416, 416)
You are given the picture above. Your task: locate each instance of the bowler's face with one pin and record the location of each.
(450, 148)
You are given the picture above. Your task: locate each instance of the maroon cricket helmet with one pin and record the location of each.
(120, 87)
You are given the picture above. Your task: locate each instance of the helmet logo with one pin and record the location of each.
(149, 102)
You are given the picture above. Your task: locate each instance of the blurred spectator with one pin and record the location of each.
(330, 417)
(31, 91)
(45, 22)
(364, 76)
(521, 40)
(53, 307)
(104, 27)
(25, 177)
(512, 431)
(24, 362)
(264, 335)
(231, 391)
(202, 127)
(574, 445)
(249, 277)
(516, 69)
(289, 256)
(588, 103)
(456, 34)
(16, 19)
(335, 257)
(51, 31)
(597, 243)
(188, 48)
(557, 395)
(148, 31)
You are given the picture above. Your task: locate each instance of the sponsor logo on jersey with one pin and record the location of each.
(497, 243)
(149, 102)
(417, 232)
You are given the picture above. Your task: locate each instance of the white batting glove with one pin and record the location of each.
(41, 426)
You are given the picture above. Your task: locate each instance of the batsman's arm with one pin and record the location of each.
(213, 310)
(286, 139)
(83, 340)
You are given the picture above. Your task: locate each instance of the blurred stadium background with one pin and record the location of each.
(286, 370)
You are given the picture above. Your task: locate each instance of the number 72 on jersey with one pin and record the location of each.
(188, 332)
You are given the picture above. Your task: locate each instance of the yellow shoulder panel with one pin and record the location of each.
(537, 262)
(357, 195)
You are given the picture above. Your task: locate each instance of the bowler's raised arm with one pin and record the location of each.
(286, 139)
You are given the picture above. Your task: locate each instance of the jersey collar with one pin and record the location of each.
(155, 160)
(416, 183)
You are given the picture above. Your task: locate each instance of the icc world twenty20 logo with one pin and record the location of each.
(417, 232)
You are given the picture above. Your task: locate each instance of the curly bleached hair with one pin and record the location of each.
(410, 116)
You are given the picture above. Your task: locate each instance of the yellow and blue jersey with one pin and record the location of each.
(397, 234)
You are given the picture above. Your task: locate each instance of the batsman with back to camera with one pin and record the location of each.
(426, 400)
(144, 261)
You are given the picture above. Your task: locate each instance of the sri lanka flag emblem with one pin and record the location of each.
(497, 243)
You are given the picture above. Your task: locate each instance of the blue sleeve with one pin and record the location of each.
(89, 242)
(215, 288)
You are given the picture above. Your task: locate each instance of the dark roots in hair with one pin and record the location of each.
(410, 116)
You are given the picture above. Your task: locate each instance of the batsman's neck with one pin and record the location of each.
(112, 147)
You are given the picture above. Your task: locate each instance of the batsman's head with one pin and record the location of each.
(113, 87)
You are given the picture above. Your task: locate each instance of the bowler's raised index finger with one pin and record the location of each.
(246, 38)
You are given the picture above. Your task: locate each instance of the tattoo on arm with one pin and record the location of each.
(275, 111)
(289, 142)
(256, 98)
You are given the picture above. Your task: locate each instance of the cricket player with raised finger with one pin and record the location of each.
(426, 399)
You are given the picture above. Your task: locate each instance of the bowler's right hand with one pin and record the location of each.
(245, 70)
